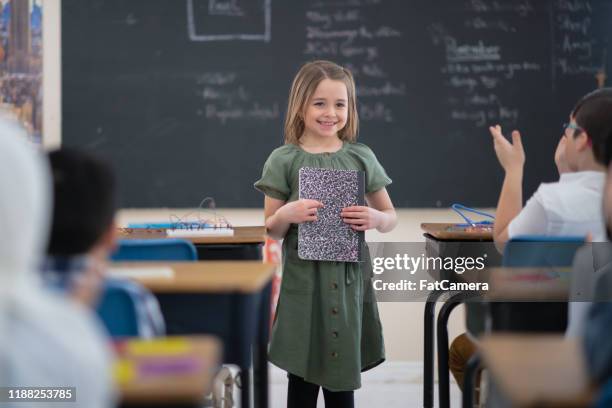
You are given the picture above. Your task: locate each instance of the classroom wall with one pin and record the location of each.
(52, 74)
(402, 322)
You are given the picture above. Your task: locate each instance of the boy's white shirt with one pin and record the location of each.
(571, 206)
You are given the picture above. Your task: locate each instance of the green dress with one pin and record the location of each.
(326, 329)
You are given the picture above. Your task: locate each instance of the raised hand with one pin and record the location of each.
(511, 156)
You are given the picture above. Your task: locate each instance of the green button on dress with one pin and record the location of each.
(327, 329)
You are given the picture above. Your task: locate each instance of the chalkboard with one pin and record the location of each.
(187, 97)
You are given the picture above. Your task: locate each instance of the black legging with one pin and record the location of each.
(302, 394)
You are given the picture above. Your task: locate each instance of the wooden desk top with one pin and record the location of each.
(538, 371)
(199, 359)
(242, 235)
(204, 276)
(450, 232)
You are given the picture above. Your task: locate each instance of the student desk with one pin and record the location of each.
(167, 388)
(445, 231)
(529, 299)
(444, 239)
(229, 299)
(246, 243)
(527, 284)
(538, 371)
(511, 296)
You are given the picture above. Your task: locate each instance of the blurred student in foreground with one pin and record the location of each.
(45, 340)
(598, 324)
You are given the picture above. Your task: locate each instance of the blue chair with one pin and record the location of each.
(535, 251)
(541, 251)
(604, 399)
(127, 309)
(155, 250)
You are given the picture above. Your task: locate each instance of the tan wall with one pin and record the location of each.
(52, 73)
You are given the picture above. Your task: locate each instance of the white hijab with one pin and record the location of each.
(45, 340)
(24, 222)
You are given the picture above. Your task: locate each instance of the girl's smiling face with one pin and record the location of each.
(326, 112)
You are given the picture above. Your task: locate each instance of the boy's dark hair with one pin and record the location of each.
(84, 201)
(593, 113)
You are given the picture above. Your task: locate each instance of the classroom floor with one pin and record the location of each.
(390, 385)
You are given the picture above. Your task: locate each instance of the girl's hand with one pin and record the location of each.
(510, 155)
(300, 211)
(361, 218)
(560, 159)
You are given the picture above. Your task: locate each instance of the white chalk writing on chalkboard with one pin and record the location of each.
(577, 51)
(479, 23)
(201, 16)
(522, 8)
(252, 111)
(225, 8)
(471, 52)
(343, 31)
(226, 99)
(346, 3)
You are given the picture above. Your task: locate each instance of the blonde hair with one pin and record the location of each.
(304, 85)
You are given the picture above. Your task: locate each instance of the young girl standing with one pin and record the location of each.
(327, 328)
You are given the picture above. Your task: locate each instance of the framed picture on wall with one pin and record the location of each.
(21, 64)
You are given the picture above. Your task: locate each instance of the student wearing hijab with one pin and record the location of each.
(45, 340)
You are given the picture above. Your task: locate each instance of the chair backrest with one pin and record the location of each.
(604, 399)
(128, 309)
(155, 250)
(536, 251)
(541, 251)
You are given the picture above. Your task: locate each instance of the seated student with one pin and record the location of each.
(83, 235)
(83, 231)
(45, 340)
(598, 320)
(571, 206)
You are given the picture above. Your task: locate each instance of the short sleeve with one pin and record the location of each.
(274, 182)
(532, 220)
(376, 176)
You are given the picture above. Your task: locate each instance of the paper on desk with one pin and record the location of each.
(202, 232)
(124, 371)
(143, 272)
(161, 346)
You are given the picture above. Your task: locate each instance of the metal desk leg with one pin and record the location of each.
(260, 352)
(428, 347)
(245, 391)
(469, 381)
(442, 336)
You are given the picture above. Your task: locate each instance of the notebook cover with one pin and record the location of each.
(329, 238)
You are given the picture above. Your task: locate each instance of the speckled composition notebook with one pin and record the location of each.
(329, 238)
